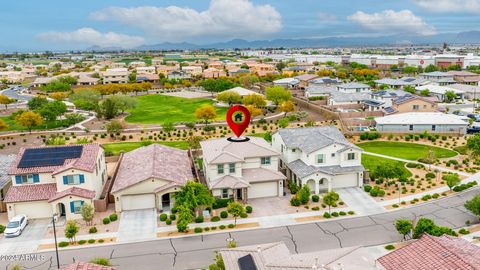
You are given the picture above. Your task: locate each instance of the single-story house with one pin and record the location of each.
(342, 98)
(287, 82)
(417, 122)
(147, 177)
(439, 91)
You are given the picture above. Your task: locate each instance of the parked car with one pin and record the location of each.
(459, 113)
(473, 130)
(16, 226)
(474, 116)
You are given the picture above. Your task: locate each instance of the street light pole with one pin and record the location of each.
(398, 186)
(54, 217)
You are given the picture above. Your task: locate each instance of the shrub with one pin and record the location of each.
(168, 221)
(113, 217)
(231, 226)
(199, 219)
(315, 198)
(430, 175)
(2, 228)
(326, 215)
(92, 230)
(411, 165)
(174, 210)
(198, 230)
(315, 208)
(91, 241)
(243, 215)
(106, 221)
(463, 231)
(81, 242)
(351, 212)
(63, 244)
(101, 241)
(249, 209)
(395, 205)
(334, 214)
(213, 228)
(215, 219)
(389, 247)
(163, 217)
(294, 201)
(207, 229)
(367, 188)
(426, 197)
(224, 214)
(222, 227)
(435, 196)
(341, 213)
(220, 203)
(173, 217)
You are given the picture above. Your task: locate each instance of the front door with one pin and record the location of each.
(62, 209)
(239, 194)
(166, 201)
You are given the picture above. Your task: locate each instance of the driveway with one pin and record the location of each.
(28, 241)
(360, 201)
(137, 225)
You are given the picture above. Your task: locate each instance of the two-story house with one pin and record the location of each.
(411, 103)
(242, 170)
(354, 87)
(382, 99)
(115, 75)
(319, 157)
(59, 179)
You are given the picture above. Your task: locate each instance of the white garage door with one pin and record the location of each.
(34, 209)
(261, 190)
(135, 202)
(345, 180)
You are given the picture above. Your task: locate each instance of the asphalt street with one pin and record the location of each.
(198, 251)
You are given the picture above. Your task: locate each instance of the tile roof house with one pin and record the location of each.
(242, 170)
(354, 87)
(434, 253)
(149, 175)
(5, 180)
(277, 256)
(57, 179)
(411, 103)
(320, 157)
(417, 122)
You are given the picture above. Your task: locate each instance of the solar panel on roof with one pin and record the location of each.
(49, 156)
(409, 80)
(247, 263)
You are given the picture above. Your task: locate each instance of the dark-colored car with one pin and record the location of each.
(473, 130)
(474, 116)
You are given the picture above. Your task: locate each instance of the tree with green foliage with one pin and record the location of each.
(168, 127)
(71, 230)
(450, 96)
(6, 100)
(410, 89)
(87, 212)
(452, 179)
(29, 120)
(277, 94)
(254, 99)
(236, 209)
(404, 227)
(185, 216)
(303, 194)
(218, 264)
(409, 70)
(473, 205)
(101, 261)
(473, 145)
(37, 103)
(425, 92)
(123, 102)
(206, 113)
(108, 109)
(425, 225)
(431, 68)
(283, 123)
(330, 199)
(114, 127)
(194, 195)
(52, 110)
(229, 97)
(132, 77)
(216, 85)
(86, 99)
(287, 106)
(194, 142)
(3, 125)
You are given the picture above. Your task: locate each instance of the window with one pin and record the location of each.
(351, 156)
(416, 107)
(231, 167)
(333, 154)
(320, 158)
(410, 127)
(75, 206)
(220, 169)
(73, 179)
(225, 193)
(434, 127)
(265, 160)
(293, 150)
(424, 106)
(27, 179)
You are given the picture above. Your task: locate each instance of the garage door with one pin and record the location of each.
(261, 190)
(34, 209)
(346, 180)
(135, 202)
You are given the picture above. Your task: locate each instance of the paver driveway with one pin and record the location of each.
(137, 225)
(28, 241)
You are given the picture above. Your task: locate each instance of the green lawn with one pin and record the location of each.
(372, 162)
(116, 148)
(158, 109)
(410, 151)
(12, 126)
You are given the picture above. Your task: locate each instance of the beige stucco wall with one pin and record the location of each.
(145, 187)
(423, 106)
(36, 209)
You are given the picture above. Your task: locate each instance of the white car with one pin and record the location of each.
(16, 226)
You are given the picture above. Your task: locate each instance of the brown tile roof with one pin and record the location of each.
(28, 193)
(86, 266)
(153, 161)
(261, 175)
(86, 162)
(228, 181)
(434, 253)
(73, 191)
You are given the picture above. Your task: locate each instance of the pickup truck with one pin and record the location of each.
(473, 130)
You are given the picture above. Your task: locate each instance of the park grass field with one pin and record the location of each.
(116, 148)
(159, 109)
(372, 162)
(13, 126)
(410, 151)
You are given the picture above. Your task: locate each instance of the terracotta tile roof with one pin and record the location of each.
(28, 193)
(86, 162)
(86, 266)
(153, 161)
(434, 253)
(73, 191)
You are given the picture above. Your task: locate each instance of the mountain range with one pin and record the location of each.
(470, 37)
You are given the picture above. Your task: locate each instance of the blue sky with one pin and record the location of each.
(66, 24)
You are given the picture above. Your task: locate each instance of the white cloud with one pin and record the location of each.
(222, 19)
(468, 6)
(326, 17)
(392, 22)
(91, 36)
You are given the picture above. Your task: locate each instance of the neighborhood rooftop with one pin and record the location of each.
(417, 118)
(6, 162)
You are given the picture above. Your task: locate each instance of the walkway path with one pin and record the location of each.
(360, 201)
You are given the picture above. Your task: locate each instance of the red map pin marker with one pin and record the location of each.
(238, 118)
